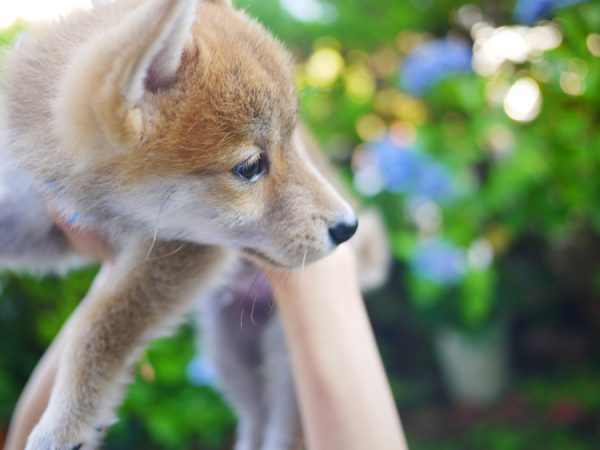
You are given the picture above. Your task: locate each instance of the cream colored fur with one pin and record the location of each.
(137, 114)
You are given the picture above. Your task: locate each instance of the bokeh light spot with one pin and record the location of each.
(408, 40)
(370, 127)
(498, 237)
(480, 254)
(368, 180)
(411, 110)
(523, 101)
(403, 134)
(147, 372)
(359, 84)
(469, 15)
(324, 67)
(572, 83)
(426, 214)
(593, 43)
(392, 102)
(310, 10)
(384, 62)
(515, 44)
(500, 140)
(386, 99)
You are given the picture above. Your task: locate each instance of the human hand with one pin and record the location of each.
(84, 240)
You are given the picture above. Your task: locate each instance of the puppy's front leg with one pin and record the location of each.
(140, 297)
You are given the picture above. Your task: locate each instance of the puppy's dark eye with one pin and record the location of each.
(252, 169)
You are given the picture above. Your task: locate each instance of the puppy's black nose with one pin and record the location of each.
(342, 231)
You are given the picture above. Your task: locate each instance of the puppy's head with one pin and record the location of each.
(192, 113)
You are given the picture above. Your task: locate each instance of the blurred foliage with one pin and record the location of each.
(511, 179)
(486, 175)
(25, 330)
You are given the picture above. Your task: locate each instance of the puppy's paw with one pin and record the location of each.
(46, 439)
(48, 443)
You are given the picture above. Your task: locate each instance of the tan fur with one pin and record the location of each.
(137, 114)
(231, 97)
(109, 329)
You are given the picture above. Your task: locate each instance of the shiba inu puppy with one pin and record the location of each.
(170, 126)
(240, 337)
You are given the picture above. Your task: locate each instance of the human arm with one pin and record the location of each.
(344, 396)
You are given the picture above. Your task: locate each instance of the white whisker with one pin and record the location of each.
(164, 199)
(265, 280)
(178, 237)
(178, 249)
(246, 296)
(252, 311)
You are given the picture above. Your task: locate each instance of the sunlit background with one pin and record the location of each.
(32, 10)
(472, 127)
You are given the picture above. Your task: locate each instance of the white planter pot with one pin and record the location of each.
(474, 366)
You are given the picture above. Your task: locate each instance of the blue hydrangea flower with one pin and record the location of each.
(432, 62)
(397, 165)
(530, 11)
(432, 181)
(406, 171)
(201, 373)
(439, 261)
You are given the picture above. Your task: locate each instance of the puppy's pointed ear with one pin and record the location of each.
(158, 53)
(101, 96)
